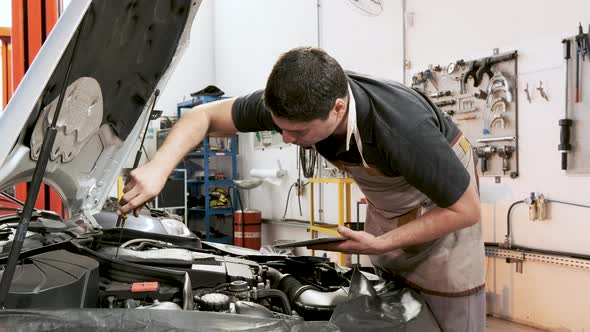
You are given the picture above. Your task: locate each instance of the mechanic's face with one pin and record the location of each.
(308, 133)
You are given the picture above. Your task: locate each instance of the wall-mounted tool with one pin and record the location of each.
(470, 110)
(462, 89)
(542, 91)
(440, 94)
(498, 83)
(496, 139)
(417, 80)
(528, 95)
(486, 64)
(445, 103)
(429, 76)
(466, 105)
(499, 105)
(449, 112)
(498, 121)
(564, 135)
(467, 118)
(481, 94)
(472, 72)
(505, 153)
(485, 153)
(485, 68)
(583, 49)
(452, 67)
(479, 68)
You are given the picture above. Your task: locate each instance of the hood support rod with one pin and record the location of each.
(38, 173)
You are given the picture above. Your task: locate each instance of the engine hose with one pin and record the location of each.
(264, 293)
(220, 287)
(140, 240)
(309, 297)
(274, 276)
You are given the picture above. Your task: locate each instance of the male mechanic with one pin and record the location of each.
(409, 159)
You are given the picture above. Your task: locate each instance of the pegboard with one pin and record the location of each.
(578, 111)
(481, 97)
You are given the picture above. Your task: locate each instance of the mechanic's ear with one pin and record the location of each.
(340, 108)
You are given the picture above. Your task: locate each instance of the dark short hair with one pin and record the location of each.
(304, 85)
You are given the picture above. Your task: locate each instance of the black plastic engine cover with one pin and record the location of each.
(55, 279)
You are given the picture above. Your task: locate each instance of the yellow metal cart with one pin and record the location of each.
(344, 207)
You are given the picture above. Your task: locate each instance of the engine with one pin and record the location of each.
(137, 269)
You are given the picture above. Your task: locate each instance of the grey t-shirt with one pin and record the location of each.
(402, 132)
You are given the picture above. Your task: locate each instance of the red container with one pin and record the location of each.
(247, 228)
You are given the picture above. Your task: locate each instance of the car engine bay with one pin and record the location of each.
(72, 265)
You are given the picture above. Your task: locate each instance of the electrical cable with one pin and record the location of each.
(287, 204)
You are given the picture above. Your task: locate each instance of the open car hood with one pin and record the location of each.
(126, 50)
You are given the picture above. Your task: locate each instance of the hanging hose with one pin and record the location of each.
(508, 240)
(287, 204)
(307, 158)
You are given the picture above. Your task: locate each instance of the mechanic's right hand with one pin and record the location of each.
(142, 184)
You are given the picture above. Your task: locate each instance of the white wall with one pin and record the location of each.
(250, 35)
(195, 70)
(444, 31)
(544, 295)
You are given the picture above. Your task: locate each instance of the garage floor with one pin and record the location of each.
(499, 325)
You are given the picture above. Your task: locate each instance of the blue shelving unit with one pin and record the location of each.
(207, 183)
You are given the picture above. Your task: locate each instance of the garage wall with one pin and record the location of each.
(235, 42)
(250, 35)
(195, 70)
(5, 21)
(444, 31)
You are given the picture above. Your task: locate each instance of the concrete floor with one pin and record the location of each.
(499, 325)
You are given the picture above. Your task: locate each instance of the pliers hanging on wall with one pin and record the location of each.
(582, 49)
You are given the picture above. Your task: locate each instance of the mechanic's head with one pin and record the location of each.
(307, 94)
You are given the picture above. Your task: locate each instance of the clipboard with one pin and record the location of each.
(307, 243)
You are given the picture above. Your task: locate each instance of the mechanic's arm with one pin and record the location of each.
(435, 224)
(145, 182)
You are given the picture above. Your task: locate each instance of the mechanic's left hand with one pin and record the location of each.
(357, 243)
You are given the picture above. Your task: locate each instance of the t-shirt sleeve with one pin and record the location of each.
(249, 113)
(427, 161)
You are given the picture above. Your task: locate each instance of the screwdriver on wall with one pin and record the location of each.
(122, 218)
(564, 135)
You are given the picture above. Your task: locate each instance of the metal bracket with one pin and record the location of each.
(520, 255)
